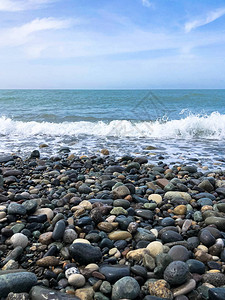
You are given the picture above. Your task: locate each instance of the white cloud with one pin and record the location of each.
(146, 3)
(20, 5)
(211, 16)
(19, 35)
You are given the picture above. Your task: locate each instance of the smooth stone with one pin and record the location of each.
(180, 210)
(218, 221)
(43, 293)
(171, 236)
(17, 227)
(133, 165)
(17, 282)
(155, 197)
(197, 216)
(217, 294)
(69, 236)
(19, 239)
(139, 271)
(155, 248)
(119, 235)
(193, 242)
(144, 213)
(205, 201)
(195, 266)
(148, 261)
(48, 261)
(204, 195)
(189, 169)
(76, 280)
(121, 203)
(176, 273)
(114, 273)
(115, 168)
(184, 288)
(125, 288)
(167, 222)
(16, 209)
(216, 279)
(118, 211)
(162, 261)
(30, 205)
(58, 231)
(37, 219)
(85, 253)
(206, 238)
(172, 195)
(221, 207)
(47, 211)
(121, 191)
(179, 253)
(206, 185)
(144, 234)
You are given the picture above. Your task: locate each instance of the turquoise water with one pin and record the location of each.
(181, 124)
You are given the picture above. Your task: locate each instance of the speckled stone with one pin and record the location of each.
(125, 288)
(176, 273)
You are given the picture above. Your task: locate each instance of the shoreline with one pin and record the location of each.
(88, 227)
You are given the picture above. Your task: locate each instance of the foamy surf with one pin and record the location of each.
(193, 126)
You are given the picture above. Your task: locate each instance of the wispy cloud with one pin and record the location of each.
(147, 3)
(20, 5)
(210, 17)
(19, 35)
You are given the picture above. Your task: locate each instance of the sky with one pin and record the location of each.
(112, 44)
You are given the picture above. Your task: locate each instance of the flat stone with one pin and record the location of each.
(119, 235)
(48, 261)
(217, 294)
(172, 195)
(58, 231)
(85, 253)
(195, 266)
(114, 273)
(43, 293)
(18, 282)
(171, 236)
(16, 209)
(218, 221)
(155, 197)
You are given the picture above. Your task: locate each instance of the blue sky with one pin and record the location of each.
(112, 44)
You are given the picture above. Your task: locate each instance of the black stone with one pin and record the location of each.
(171, 236)
(114, 273)
(85, 253)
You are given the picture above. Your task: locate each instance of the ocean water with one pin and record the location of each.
(180, 125)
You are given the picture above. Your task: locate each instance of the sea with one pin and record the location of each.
(173, 126)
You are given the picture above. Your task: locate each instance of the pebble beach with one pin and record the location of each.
(99, 227)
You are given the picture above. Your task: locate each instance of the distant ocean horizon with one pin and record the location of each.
(178, 125)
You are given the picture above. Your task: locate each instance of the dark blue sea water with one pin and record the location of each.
(181, 124)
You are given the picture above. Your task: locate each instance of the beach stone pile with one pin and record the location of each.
(104, 228)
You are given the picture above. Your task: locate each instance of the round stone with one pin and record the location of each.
(207, 238)
(171, 236)
(69, 236)
(125, 288)
(155, 197)
(76, 280)
(180, 210)
(19, 239)
(195, 266)
(179, 252)
(176, 273)
(155, 248)
(167, 222)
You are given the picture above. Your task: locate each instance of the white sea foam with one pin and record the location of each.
(192, 126)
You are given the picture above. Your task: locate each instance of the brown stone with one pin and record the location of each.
(105, 226)
(45, 238)
(162, 182)
(48, 261)
(85, 293)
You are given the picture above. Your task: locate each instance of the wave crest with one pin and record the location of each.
(192, 126)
